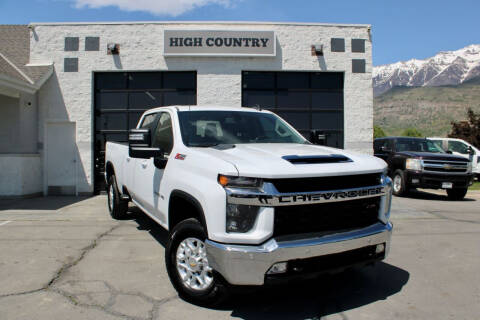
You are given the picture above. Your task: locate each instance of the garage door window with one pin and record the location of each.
(312, 102)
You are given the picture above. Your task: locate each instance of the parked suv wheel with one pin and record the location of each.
(399, 183)
(188, 268)
(116, 206)
(456, 194)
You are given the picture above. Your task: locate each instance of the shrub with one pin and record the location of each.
(411, 132)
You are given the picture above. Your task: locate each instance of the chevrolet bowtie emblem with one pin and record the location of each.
(447, 166)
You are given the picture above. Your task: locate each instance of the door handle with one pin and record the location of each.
(128, 159)
(144, 165)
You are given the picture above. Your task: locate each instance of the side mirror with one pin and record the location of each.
(471, 151)
(449, 151)
(139, 145)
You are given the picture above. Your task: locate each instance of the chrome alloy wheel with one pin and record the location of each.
(192, 264)
(397, 183)
(110, 197)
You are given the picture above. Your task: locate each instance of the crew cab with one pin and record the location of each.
(422, 163)
(247, 200)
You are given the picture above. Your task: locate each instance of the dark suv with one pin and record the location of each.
(421, 163)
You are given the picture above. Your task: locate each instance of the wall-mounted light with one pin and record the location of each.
(317, 49)
(113, 48)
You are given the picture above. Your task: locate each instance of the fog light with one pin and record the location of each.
(380, 248)
(280, 267)
(415, 181)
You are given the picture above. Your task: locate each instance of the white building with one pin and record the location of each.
(65, 88)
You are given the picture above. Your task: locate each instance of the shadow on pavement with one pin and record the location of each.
(425, 195)
(326, 295)
(323, 296)
(40, 203)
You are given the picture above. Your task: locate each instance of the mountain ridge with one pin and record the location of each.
(445, 68)
(428, 109)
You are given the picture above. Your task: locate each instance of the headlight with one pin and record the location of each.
(414, 164)
(386, 202)
(240, 218)
(239, 182)
(469, 167)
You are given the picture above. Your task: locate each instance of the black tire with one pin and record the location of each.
(117, 207)
(401, 188)
(456, 194)
(217, 291)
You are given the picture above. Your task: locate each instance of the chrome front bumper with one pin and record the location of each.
(247, 265)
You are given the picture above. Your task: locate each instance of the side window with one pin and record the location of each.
(387, 143)
(149, 121)
(457, 146)
(163, 137)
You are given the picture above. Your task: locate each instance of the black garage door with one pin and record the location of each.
(121, 98)
(312, 102)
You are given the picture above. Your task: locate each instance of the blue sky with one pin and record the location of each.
(401, 29)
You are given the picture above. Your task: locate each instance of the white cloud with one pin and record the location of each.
(157, 7)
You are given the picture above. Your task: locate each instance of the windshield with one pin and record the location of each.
(210, 128)
(418, 145)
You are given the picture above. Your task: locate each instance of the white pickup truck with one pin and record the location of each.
(246, 199)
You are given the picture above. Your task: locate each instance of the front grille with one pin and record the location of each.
(444, 170)
(326, 183)
(326, 218)
(445, 166)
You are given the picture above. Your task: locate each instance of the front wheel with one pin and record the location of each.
(188, 268)
(399, 183)
(456, 194)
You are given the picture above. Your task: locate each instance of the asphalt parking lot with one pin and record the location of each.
(65, 258)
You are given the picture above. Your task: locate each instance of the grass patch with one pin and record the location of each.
(475, 186)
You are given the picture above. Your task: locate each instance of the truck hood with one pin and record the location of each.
(264, 160)
(432, 156)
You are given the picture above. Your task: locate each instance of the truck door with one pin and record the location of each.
(148, 122)
(149, 172)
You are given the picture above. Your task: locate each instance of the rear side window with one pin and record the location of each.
(457, 146)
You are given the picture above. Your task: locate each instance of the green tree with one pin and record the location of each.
(411, 132)
(378, 132)
(468, 130)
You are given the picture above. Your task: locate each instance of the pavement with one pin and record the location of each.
(65, 258)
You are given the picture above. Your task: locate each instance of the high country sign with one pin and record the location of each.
(219, 43)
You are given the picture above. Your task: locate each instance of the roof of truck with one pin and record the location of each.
(208, 108)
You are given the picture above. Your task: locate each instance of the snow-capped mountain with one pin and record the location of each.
(445, 68)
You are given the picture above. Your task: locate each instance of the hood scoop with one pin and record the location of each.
(331, 158)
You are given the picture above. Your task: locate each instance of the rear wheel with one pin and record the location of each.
(399, 183)
(456, 194)
(188, 268)
(116, 206)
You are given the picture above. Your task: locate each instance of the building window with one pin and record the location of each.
(337, 45)
(358, 65)
(92, 44)
(358, 45)
(71, 43)
(70, 65)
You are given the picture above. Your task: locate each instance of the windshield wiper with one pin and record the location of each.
(219, 146)
(204, 145)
